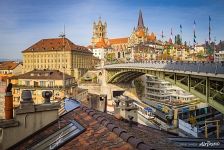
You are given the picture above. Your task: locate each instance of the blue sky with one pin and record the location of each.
(24, 22)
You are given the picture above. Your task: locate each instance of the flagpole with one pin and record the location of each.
(181, 35)
(181, 40)
(194, 41)
(209, 29)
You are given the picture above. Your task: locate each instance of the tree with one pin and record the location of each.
(139, 87)
(185, 44)
(178, 40)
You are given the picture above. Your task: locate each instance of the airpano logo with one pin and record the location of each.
(209, 144)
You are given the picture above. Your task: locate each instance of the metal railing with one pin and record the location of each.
(199, 67)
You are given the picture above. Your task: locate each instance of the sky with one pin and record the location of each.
(25, 22)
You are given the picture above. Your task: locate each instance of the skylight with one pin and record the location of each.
(59, 138)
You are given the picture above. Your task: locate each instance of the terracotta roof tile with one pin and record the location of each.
(43, 74)
(100, 134)
(140, 33)
(118, 41)
(151, 37)
(56, 44)
(8, 65)
(101, 44)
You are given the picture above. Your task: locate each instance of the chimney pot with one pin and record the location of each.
(26, 96)
(117, 101)
(46, 95)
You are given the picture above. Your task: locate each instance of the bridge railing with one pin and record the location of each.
(200, 67)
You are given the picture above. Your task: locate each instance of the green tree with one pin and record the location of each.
(178, 40)
(139, 87)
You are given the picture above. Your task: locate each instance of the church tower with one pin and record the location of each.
(140, 34)
(140, 21)
(99, 32)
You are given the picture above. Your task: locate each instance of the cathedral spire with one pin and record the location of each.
(140, 20)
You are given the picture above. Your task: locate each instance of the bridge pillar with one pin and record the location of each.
(175, 118)
(175, 78)
(207, 89)
(189, 83)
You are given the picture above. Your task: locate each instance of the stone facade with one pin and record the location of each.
(58, 54)
(119, 48)
(41, 80)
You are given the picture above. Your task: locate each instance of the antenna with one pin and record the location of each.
(62, 35)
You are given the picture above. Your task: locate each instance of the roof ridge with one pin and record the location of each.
(123, 134)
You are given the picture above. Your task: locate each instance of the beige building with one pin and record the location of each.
(43, 80)
(10, 68)
(219, 57)
(58, 54)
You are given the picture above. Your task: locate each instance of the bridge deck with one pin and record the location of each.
(214, 69)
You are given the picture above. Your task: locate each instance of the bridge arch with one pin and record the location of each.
(208, 87)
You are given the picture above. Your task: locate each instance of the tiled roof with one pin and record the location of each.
(151, 37)
(8, 65)
(56, 44)
(43, 74)
(102, 131)
(118, 41)
(101, 44)
(140, 33)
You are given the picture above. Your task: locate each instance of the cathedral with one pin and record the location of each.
(119, 46)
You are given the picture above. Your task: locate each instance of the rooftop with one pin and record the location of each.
(118, 40)
(8, 65)
(101, 131)
(56, 44)
(101, 44)
(43, 74)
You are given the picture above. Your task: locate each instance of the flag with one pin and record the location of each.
(171, 35)
(194, 33)
(180, 29)
(181, 32)
(209, 28)
(162, 34)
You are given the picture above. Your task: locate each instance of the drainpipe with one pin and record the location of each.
(9, 102)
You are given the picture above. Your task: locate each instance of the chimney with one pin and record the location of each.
(47, 95)
(9, 102)
(28, 118)
(117, 101)
(27, 100)
(130, 120)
